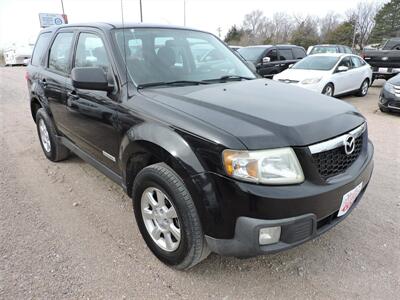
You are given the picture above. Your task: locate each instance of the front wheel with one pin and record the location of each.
(328, 90)
(167, 217)
(363, 91)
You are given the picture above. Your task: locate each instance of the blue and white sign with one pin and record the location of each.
(47, 20)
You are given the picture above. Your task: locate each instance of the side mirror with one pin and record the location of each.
(266, 60)
(342, 69)
(90, 79)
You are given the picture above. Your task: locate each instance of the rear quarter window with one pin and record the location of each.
(40, 48)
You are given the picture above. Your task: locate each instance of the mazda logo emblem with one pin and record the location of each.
(349, 144)
(385, 58)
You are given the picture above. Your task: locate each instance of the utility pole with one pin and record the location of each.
(141, 12)
(219, 29)
(184, 12)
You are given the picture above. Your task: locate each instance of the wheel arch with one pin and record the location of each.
(35, 106)
(147, 144)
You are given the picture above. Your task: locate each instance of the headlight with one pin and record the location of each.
(275, 166)
(311, 80)
(389, 87)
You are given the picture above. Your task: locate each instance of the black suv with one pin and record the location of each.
(270, 60)
(214, 158)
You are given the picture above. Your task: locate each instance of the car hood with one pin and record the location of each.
(299, 75)
(262, 113)
(395, 80)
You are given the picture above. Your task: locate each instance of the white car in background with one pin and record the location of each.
(331, 74)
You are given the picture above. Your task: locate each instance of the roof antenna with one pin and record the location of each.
(124, 46)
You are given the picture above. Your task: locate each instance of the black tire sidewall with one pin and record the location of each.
(150, 178)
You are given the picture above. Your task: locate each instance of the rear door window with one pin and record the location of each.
(60, 52)
(40, 48)
(285, 54)
(299, 53)
(356, 62)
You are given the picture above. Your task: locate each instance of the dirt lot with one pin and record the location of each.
(50, 248)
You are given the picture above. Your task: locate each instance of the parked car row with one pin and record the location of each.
(332, 70)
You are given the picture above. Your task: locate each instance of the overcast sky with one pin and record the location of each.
(19, 21)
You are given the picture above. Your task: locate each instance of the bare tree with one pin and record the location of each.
(282, 27)
(363, 17)
(254, 23)
(328, 24)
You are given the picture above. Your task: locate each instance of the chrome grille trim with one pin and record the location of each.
(338, 141)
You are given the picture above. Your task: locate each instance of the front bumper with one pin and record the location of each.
(304, 211)
(389, 101)
(294, 231)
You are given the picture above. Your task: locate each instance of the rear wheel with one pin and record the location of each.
(167, 217)
(328, 90)
(363, 91)
(52, 148)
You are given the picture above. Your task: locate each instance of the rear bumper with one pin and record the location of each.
(294, 231)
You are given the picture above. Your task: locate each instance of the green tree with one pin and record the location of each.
(234, 35)
(387, 22)
(342, 35)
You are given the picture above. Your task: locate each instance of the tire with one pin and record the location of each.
(47, 133)
(363, 91)
(191, 248)
(329, 90)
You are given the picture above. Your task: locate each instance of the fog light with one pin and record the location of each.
(269, 235)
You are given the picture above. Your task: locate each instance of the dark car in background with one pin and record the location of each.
(329, 48)
(389, 99)
(385, 62)
(272, 59)
(214, 158)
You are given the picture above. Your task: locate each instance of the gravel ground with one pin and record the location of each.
(66, 231)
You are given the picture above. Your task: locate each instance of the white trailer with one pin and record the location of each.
(18, 54)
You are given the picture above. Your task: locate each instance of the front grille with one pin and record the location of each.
(288, 81)
(335, 161)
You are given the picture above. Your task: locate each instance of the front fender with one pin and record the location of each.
(164, 137)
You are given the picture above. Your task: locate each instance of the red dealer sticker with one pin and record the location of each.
(348, 199)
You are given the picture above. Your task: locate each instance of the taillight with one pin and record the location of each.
(26, 76)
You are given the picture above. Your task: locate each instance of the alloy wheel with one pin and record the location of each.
(161, 219)
(44, 136)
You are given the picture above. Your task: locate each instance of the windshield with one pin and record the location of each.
(322, 63)
(167, 55)
(251, 53)
(324, 49)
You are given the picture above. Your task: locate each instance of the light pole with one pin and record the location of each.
(184, 12)
(141, 12)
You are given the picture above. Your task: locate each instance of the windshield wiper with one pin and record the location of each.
(229, 77)
(176, 82)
